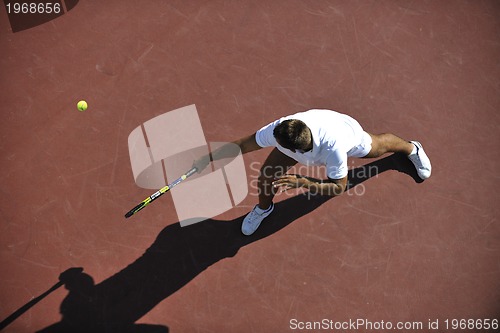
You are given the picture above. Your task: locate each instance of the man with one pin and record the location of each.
(314, 137)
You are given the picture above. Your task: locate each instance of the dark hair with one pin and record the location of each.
(292, 134)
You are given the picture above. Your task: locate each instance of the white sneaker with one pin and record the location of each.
(421, 161)
(254, 218)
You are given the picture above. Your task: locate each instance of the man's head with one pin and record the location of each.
(293, 134)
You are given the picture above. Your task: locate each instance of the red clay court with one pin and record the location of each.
(391, 250)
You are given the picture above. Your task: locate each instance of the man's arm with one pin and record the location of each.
(246, 144)
(331, 187)
(230, 150)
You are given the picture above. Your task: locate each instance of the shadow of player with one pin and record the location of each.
(82, 310)
(176, 257)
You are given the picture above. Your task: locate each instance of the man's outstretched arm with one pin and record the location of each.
(230, 150)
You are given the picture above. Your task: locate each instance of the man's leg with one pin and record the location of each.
(388, 143)
(276, 165)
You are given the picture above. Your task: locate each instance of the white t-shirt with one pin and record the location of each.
(334, 135)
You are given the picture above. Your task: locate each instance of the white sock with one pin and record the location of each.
(414, 151)
(262, 211)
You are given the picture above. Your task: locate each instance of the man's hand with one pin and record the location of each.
(290, 181)
(331, 187)
(201, 163)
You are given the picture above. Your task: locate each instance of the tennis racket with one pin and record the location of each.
(160, 192)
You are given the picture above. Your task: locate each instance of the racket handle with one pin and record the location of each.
(135, 210)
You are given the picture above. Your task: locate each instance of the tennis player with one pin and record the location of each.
(315, 137)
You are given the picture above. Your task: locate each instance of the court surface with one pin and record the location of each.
(390, 250)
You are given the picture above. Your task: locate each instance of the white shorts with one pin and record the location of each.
(363, 148)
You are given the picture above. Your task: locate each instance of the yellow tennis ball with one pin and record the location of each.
(82, 106)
